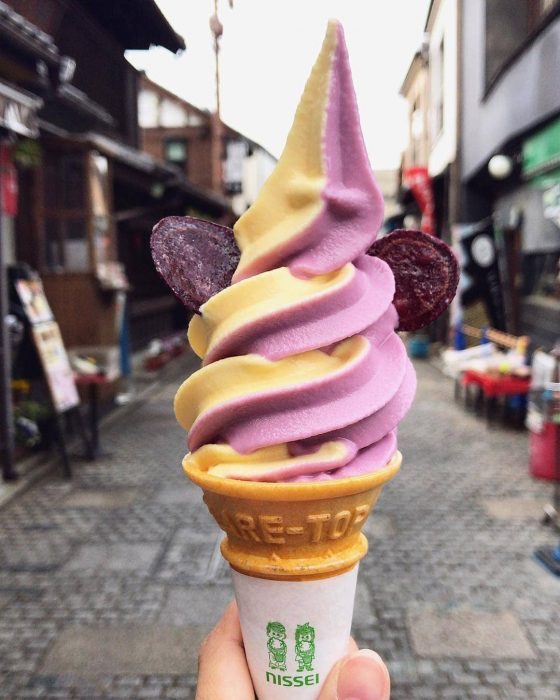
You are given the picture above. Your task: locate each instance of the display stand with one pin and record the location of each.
(64, 397)
(93, 382)
(492, 387)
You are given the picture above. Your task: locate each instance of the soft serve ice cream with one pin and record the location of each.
(304, 377)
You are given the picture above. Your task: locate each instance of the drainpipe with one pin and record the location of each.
(6, 412)
(455, 190)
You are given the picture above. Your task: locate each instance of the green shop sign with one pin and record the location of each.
(541, 152)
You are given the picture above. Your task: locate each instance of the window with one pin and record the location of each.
(79, 230)
(176, 151)
(148, 109)
(66, 232)
(236, 153)
(511, 25)
(416, 133)
(541, 274)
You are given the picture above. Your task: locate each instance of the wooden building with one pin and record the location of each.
(210, 155)
(88, 195)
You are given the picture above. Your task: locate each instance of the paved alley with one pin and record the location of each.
(109, 583)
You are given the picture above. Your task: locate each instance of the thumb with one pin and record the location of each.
(359, 676)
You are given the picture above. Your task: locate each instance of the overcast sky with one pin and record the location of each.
(267, 51)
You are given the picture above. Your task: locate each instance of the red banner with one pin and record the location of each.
(8, 182)
(420, 183)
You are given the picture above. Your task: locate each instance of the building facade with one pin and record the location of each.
(88, 195)
(510, 160)
(484, 96)
(431, 88)
(210, 154)
(415, 89)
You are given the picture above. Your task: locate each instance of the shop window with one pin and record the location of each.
(510, 26)
(76, 204)
(65, 205)
(176, 151)
(76, 249)
(72, 191)
(53, 249)
(541, 275)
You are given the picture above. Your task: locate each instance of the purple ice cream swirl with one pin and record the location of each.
(304, 376)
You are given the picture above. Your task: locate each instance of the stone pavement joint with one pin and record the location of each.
(108, 583)
(138, 650)
(100, 498)
(468, 634)
(514, 508)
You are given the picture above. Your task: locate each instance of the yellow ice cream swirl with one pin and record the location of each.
(289, 350)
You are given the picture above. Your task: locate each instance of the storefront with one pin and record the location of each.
(529, 220)
(18, 118)
(92, 204)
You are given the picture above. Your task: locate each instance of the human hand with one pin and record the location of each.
(223, 672)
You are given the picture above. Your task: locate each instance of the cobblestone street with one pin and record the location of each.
(108, 583)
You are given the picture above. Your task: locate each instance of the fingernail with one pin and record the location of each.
(363, 677)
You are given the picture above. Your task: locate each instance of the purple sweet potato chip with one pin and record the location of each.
(196, 258)
(426, 275)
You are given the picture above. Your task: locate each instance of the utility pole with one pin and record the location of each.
(217, 30)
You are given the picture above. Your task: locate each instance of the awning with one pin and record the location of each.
(18, 110)
(27, 37)
(137, 24)
(171, 174)
(152, 169)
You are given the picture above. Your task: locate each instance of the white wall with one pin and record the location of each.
(154, 111)
(256, 169)
(148, 109)
(444, 144)
(527, 93)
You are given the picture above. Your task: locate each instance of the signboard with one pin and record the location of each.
(8, 183)
(551, 204)
(48, 342)
(33, 300)
(56, 366)
(475, 245)
(420, 183)
(541, 151)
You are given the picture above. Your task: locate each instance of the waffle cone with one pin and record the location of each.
(293, 531)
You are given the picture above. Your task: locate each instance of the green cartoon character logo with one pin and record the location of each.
(305, 647)
(277, 648)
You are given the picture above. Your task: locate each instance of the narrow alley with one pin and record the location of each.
(109, 583)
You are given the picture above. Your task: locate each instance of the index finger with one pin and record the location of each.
(222, 667)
